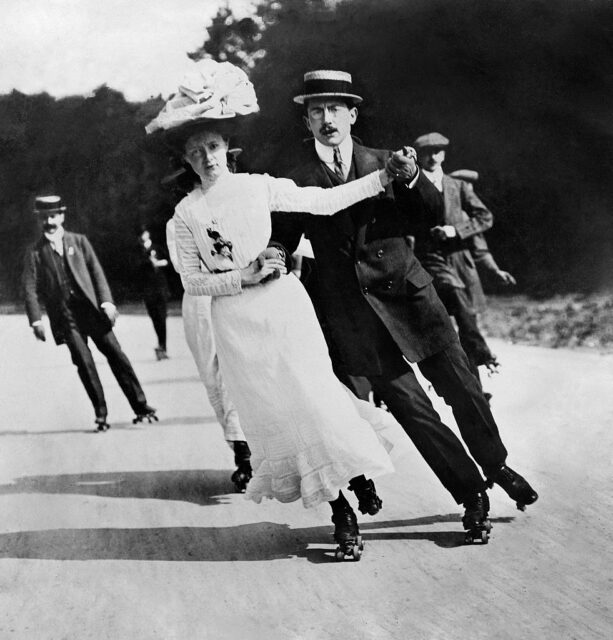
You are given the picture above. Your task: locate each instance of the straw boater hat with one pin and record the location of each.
(48, 205)
(209, 92)
(326, 83)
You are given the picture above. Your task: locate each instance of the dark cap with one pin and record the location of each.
(435, 140)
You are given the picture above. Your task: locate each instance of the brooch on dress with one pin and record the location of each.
(221, 246)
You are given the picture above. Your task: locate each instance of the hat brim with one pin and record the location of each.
(49, 211)
(310, 96)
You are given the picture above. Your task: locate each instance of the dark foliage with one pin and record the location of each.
(93, 152)
(523, 90)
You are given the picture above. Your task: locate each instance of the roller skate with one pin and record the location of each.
(346, 531)
(145, 413)
(368, 500)
(475, 521)
(515, 485)
(101, 424)
(160, 353)
(243, 473)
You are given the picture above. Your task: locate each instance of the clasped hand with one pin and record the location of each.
(402, 165)
(269, 265)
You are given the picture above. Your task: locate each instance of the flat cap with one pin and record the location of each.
(431, 140)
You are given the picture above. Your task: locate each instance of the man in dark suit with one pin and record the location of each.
(63, 273)
(381, 309)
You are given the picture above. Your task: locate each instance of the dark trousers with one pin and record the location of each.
(81, 323)
(156, 308)
(451, 378)
(458, 304)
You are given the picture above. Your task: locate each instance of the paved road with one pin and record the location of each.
(136, 534)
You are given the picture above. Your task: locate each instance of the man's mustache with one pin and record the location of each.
(49, 227)
(325, 130)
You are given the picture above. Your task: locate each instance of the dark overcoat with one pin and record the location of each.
(450, 262)
(42, 286)
(373, 292)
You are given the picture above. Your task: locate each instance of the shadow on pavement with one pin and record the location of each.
(115, 426)
(202, 486)
(261, 541)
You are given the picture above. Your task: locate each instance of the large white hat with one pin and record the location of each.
(210, 90)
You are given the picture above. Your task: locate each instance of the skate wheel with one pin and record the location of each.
(468, 539)
(356, 552)
(339, 554)
(360, 543)
(484, 537)
(520, 506)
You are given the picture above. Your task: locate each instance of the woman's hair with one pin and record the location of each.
(176, 138)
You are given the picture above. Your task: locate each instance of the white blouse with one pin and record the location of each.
(227, 227)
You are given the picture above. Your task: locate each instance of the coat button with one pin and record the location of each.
(365, 291)
(380, 253)
(358, 262)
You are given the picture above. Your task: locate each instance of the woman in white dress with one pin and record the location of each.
(309, 436)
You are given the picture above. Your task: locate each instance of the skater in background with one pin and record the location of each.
(486, 265)
(63, 274)
(308, 435)
(381, 308)
(454, 220)
(151, 268)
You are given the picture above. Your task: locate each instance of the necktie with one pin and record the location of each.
(338, 164)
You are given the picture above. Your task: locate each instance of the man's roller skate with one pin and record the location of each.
(368, 500)
(515, 485)
(145, 413)
(243, 473)
(346, 531)
(101, 424)
(475, 521)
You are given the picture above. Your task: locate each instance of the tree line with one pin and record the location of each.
(522, 90)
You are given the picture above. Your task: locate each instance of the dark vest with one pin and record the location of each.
(63, 273)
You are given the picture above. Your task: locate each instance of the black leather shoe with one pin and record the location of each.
(368, 500)
(475, 521)
(516, 486)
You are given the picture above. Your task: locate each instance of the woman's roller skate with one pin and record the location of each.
(476, 522)
(515, 485)
(368, 500)
(243, 473)
(346, 531)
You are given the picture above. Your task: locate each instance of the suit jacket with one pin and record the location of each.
(373, 292)
(41, 284)
(450, 262)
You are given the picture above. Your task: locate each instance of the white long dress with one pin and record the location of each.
(308, 435)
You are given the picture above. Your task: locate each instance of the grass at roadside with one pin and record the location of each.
(561, 321)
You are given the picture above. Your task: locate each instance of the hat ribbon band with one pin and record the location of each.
(327, 86)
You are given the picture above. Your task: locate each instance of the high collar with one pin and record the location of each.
(435, 177)
(56, 239)
(326, 154)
